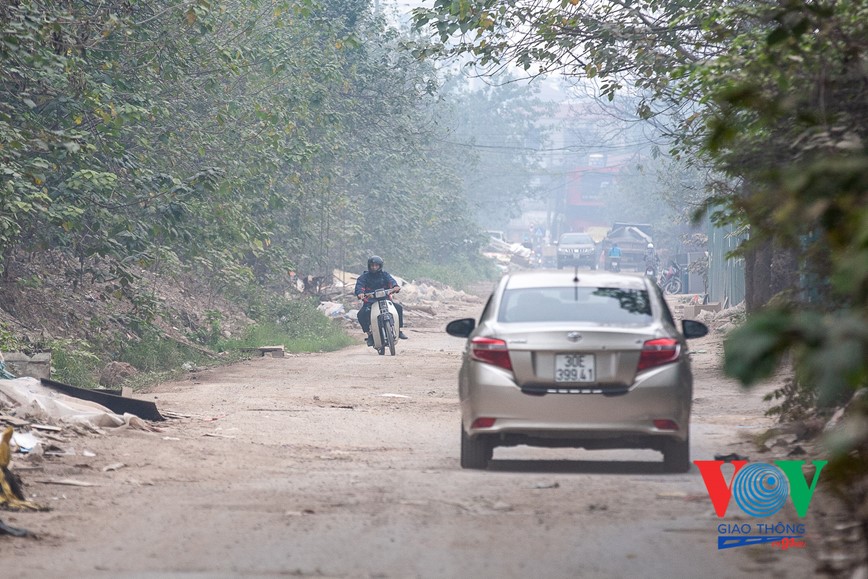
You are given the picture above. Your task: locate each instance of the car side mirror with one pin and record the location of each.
(461, 328)
(693, 329)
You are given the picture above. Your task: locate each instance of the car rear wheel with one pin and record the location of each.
(676, 455)
(475, 452)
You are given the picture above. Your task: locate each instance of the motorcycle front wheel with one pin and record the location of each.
(389, 332)
(673, 286)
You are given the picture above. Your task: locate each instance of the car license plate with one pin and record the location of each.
(574, 368)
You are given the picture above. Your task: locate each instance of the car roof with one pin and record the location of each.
(565, 278)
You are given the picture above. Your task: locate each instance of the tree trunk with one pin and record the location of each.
(757, 275)
(769, 270)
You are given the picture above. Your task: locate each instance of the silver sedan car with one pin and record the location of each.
(588, 360)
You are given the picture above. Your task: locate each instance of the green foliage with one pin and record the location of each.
(794, 401)
(154, 353)
(230, 140)
(212, 330)
(829, 350)
(236, 140)
(267, 334)
(295, 324)
(774, 97)
(73, 362)
(792, 116)
(301, 320)
(8, 341)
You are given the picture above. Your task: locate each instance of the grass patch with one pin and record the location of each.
(156, 353)
(296, 325)
(272, 334)
(73, 363)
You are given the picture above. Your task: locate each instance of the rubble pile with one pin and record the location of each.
(421, 299)
(504, 254)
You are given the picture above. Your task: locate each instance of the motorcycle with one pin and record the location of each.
(670, 279)
(650, 271)
(384, 321)
(615, 264)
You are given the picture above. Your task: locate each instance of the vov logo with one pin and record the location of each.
(760, 489)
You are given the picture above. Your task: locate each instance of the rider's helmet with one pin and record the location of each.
(375, 260)
(650, 246)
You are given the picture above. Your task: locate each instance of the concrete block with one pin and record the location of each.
(36, 366)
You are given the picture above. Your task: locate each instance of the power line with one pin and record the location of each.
(570, 149)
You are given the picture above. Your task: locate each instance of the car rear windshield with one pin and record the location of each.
(577, 238)
(600, 305)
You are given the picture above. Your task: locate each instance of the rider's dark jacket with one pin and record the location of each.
(370, 281)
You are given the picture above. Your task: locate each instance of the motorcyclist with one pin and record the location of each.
(652, 261)
(373, 279)
(615, 257)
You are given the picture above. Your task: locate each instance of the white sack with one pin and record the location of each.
(42, 403)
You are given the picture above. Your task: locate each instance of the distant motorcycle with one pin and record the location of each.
(615, 264)
(650, 271)
(384, 321)
(670, 279)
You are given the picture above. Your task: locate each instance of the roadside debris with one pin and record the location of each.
(546, 485)
(32, 399)
(14, 531)
(25, 441)
(110, 399)
(67, 482)
(13, 420)
(115, 374)
(275, 351)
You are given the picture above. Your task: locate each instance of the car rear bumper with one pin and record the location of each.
(579, 419)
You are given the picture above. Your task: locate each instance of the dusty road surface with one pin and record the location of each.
(345, 464)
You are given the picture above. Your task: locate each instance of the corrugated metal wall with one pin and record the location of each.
(725, 274)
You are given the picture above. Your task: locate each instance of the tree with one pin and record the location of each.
(773, 95)
(237, 139)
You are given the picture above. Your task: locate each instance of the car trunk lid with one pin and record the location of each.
(576, 356)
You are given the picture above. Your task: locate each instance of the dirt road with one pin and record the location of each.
(345, 464)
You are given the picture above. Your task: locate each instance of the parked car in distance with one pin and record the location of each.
(593, 361)
(576, 249)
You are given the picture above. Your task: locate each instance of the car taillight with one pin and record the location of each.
(658, 352)
(490, 351)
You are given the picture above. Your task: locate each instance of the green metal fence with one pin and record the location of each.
(725, 273)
